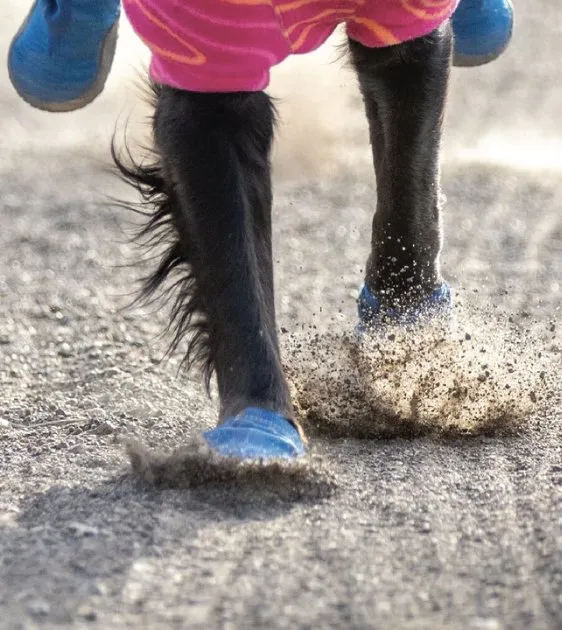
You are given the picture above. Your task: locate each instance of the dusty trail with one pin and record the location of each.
(454, 531)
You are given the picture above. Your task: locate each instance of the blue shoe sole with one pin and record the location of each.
(481, 33)
(256, 434)
(472, 61)
(105, 61)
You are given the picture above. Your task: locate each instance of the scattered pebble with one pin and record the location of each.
(484, 623)
(83, 529)
(38, 608)
(105, 428)
(87, 612)
(65, 350)
(77, 448)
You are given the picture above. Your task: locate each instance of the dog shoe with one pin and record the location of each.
(482, 30)
(61, 56)
(373, 316)
(256, 434)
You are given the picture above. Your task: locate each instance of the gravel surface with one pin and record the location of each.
(448, 520)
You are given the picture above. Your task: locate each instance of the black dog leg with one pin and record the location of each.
(212, 185)
(404, 89)
(215, 148)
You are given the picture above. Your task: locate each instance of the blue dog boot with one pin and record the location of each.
(482, 30)
(61, 56)
(372, 315)
(256, 434)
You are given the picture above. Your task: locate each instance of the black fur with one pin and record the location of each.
(208, 191)
(172, 279)
(404, 89)
(209, 182)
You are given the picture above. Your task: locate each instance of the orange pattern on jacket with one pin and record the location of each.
(231, 45)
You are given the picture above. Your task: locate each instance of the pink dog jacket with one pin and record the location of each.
(231, 45)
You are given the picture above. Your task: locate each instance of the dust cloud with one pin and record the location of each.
(195, 465)
(483, 374)
(480, 373)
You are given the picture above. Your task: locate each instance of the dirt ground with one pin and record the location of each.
(445, 515)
